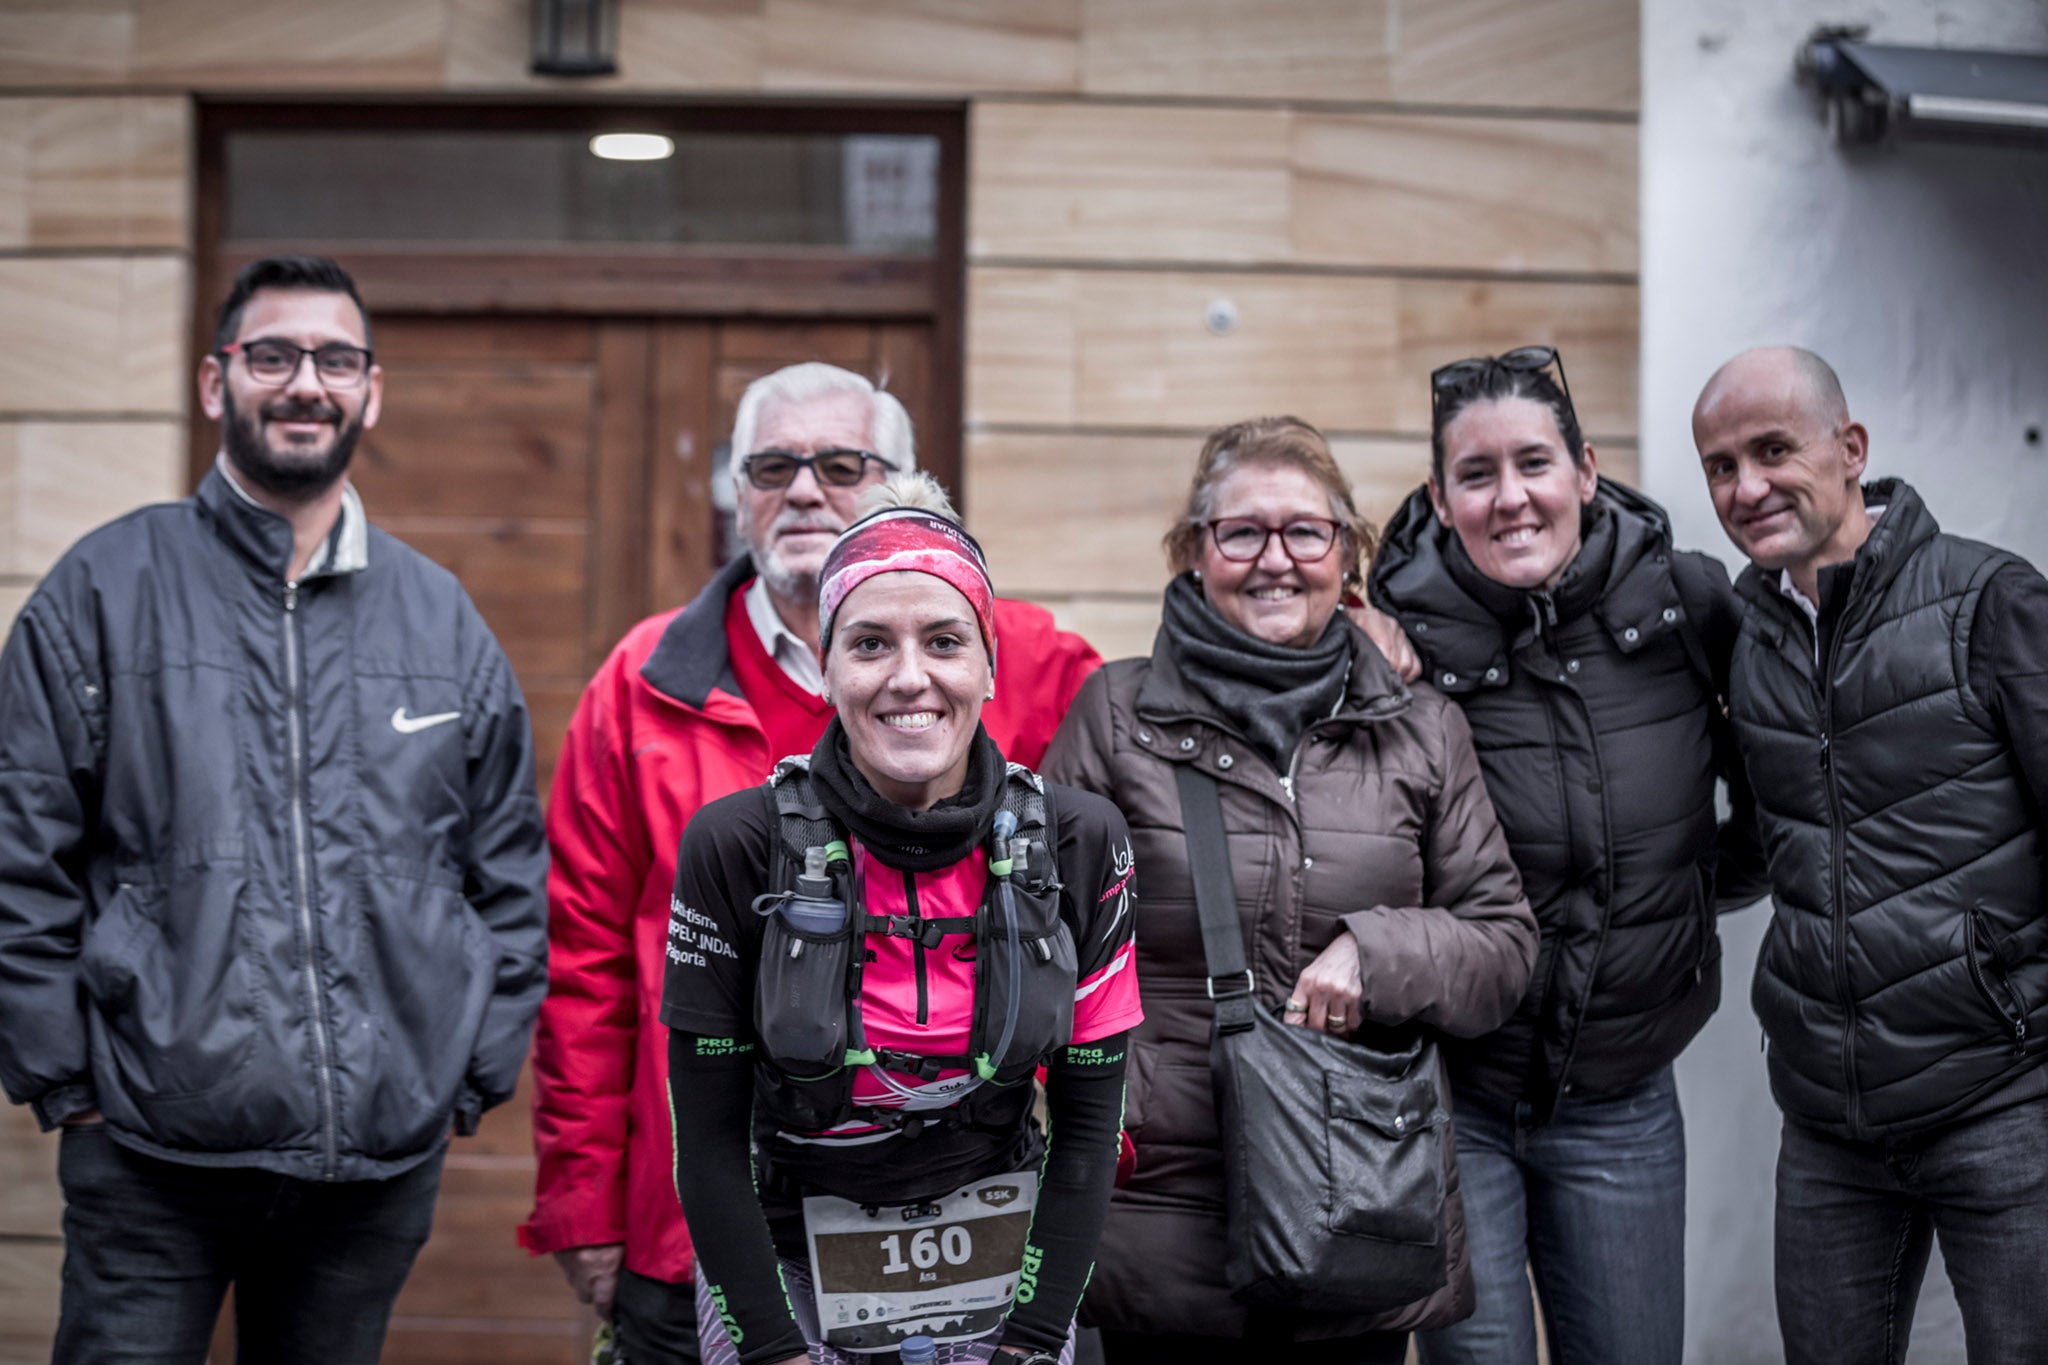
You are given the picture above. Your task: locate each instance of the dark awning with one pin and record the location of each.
(1871, 89)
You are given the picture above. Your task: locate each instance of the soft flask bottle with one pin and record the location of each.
(812, 908)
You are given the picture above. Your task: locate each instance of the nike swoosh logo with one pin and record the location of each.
(412, 725)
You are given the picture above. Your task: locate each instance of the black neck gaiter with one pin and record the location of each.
(910, 840)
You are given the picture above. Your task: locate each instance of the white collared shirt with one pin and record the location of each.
(353, 542)
(791, 654)
(1790, 590)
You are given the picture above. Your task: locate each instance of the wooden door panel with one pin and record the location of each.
(510, 440)
(683, 517)
(771, 345)
(530, 579)
(414, 340)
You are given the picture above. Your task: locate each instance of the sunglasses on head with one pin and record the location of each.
(772, 469)
(1448, 379)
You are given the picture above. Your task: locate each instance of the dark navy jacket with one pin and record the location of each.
(271, 865)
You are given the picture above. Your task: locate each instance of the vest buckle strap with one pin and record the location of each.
(925, 1068)
(927, 932)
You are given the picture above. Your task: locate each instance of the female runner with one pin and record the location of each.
(868, 959)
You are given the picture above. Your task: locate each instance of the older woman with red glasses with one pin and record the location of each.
(1373, 892)
(1588, 655)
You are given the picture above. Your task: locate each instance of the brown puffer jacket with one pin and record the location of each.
(1388, 834)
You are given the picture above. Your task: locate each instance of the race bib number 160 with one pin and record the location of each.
(946, 1269)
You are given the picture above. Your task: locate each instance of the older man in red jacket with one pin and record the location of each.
(691, 705)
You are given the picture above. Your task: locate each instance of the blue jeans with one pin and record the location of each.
(1594, 1203)
(1856, 1219)
(151, 1246)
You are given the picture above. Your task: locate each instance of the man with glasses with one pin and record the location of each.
(1889, 691)
(271, 872)
(693, 704)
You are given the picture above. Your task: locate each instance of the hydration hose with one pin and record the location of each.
(999, 868)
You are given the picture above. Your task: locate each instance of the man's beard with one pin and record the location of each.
(791, 583)
(786, 582)
(296, 479)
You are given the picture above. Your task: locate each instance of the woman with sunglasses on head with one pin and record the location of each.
(869, 959)
(1374, 889)
(1589, 657)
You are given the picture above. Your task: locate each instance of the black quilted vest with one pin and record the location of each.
(1904, 975)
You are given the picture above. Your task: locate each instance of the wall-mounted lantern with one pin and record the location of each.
(575, 37)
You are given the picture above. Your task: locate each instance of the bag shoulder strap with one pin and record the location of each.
(1201, 813)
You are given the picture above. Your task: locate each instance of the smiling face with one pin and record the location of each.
(293, 438)
(789, 530)
(1272, 598)
(1783, 464)
(908, 673)
(1511, 492)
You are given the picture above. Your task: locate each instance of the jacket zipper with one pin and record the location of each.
(1293, 765)
(1543, 607)
(917, 945)
(302, 871)
(1837, 909)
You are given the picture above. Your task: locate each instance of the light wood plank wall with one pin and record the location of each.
(1376, 186)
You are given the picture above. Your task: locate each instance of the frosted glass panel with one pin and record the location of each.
(865, 192)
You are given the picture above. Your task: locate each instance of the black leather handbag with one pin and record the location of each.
(1336, 1153)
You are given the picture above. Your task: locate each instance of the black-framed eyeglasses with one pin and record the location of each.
(1305, 540)
(273, 360)
(1448, 379)
(768, 470)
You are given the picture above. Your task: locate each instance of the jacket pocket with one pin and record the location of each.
(174, 1014)
(427, 976)
(1046, 968)
(800, 996)
(1709, 926)
(1137, 1087)
(1990, 977)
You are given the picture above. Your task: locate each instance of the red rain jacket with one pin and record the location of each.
(659, 732)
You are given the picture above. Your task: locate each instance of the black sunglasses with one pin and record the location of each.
(769, 470)
(1448, 379)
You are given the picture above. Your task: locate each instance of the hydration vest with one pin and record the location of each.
(807, 984)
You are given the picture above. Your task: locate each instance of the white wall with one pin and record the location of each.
(1921, 272)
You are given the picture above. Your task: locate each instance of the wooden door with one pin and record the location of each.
(562, 469)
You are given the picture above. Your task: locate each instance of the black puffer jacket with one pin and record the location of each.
(271, 866)
(1904, 977)
(1594, 711)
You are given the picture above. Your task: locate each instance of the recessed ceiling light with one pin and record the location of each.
(633, 146)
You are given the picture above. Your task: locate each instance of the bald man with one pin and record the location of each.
(1890, 695)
